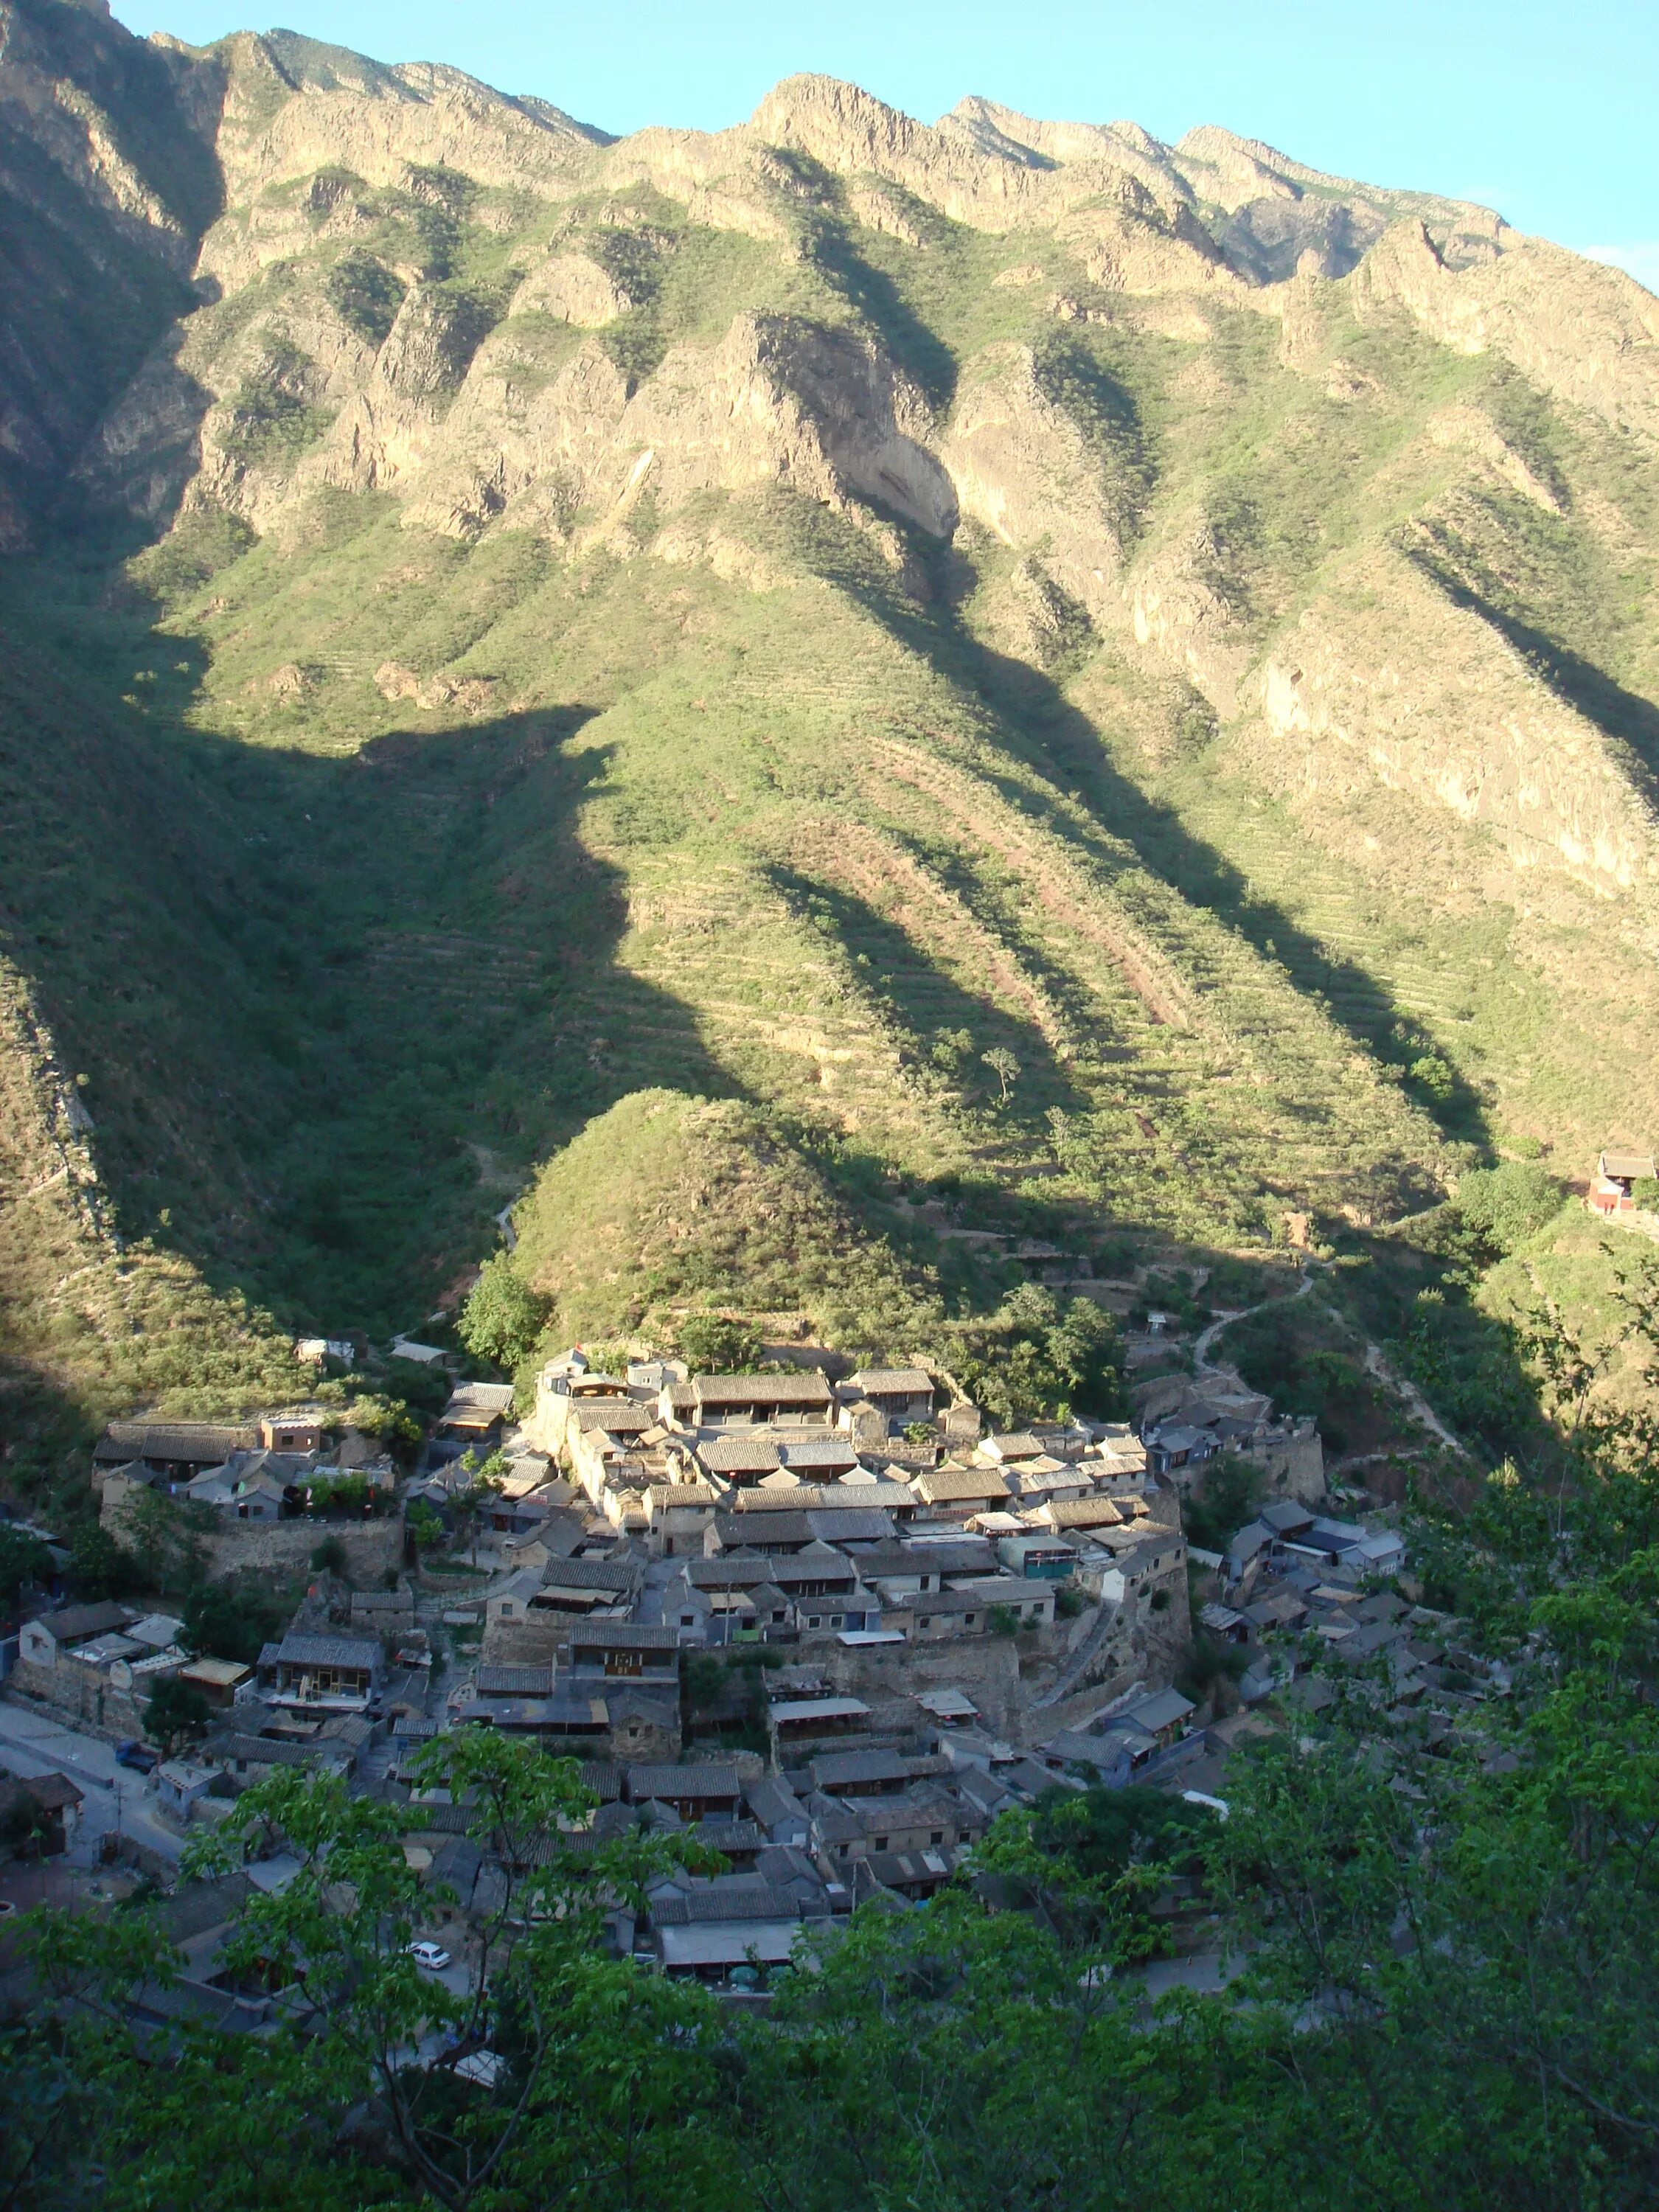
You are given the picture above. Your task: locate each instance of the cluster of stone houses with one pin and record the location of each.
(1298, 1593)
(264, 1471)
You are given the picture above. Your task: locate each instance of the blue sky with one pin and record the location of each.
(1546, 112)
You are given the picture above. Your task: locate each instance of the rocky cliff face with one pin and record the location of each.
(1159, 591)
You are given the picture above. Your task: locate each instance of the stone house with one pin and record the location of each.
(725, 1401)
(959, 1492)
(967, 1609)
(899, 1394)
(337, 1673)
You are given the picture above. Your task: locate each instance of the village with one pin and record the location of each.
(831, 1624)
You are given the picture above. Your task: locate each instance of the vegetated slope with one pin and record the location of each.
(786, 614)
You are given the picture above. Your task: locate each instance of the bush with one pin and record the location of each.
(1004, 1621)
(1069, 1602)
(1504, 1206)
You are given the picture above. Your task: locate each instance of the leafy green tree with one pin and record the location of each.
(714, 1344)
(1504, 1206)
(470, 1502)
(425, 1527)
(608, 2091)
(232, 1618)
(503, 1317)
(1084, 1344)
(100, 1566)
(177, 1715)
(1226, 1499)
(1039, 1359)
(164, 1538)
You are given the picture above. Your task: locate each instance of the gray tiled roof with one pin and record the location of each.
(328, 1652)
(710, 1778)
(749, 1901)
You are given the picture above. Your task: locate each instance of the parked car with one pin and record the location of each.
(433, 1956)
(138, 1756)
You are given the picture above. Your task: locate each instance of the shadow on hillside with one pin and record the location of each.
(1053, 736)
(1624, 716)
(925, 1001)
(333, 1009)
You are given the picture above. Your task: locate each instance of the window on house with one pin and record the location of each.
(938, 1836)
(506, 1609)
(814, 1622)
(968, 1618)
(881, 1843)
(926, 1621)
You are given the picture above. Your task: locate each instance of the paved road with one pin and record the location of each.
(31, 1743)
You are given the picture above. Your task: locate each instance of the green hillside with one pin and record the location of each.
(776, 619)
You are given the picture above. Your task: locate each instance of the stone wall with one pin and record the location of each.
(84, 1695)
(278, 1549)
(373, 1548)
(984, 1669)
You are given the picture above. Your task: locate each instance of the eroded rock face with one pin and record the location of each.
(1384, 679)
(580, 389)
(776, 401)
(1589, 333)
(1022, 467)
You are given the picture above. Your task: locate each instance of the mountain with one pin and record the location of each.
(530, 655)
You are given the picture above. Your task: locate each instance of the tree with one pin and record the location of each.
(425, 1527)
(1084, 1344)
(23, 1559)
(503, 1317)
(714, 1344)
(607, 2094)
(1038, 1360)
(1506, 1205)
(231, 1619)
(1004, 1065)
(162, 1535)
(469, 1504)
(99, 1567)
(177, 1715)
